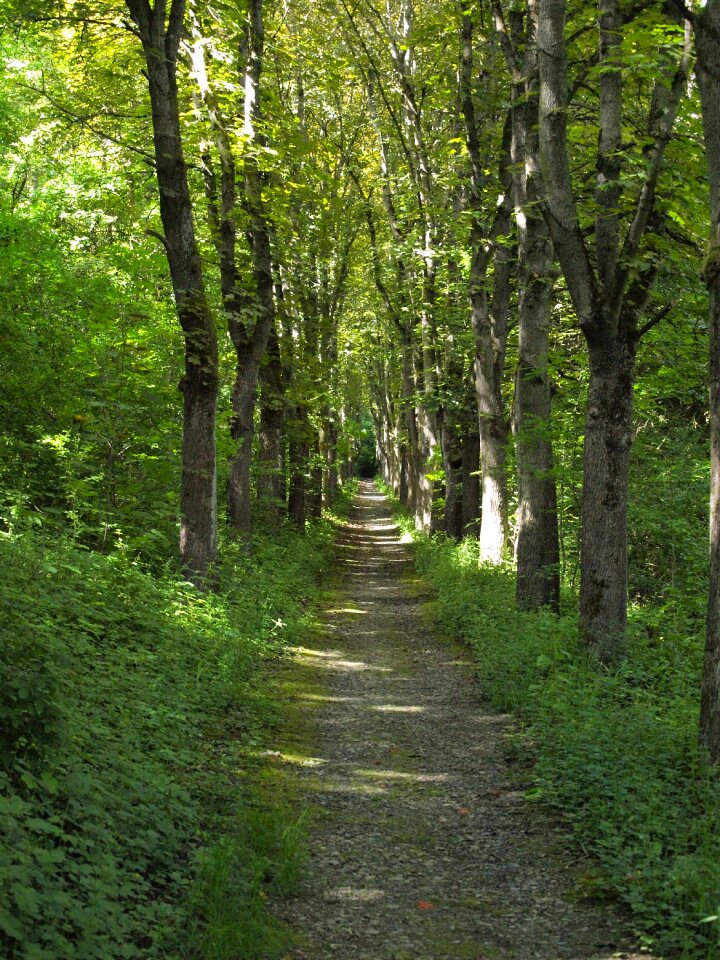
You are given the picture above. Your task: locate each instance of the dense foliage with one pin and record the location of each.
(129, 704)
(464, 245)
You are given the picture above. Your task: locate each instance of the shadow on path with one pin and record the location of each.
(423, 849)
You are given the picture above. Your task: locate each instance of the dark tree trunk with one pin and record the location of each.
(608, 434)
(707, 32)
(198, 494)
(271, 483)
(297, 491)
(453, 465)
(250, 336)
(403, 492)
(488, 316)
(471, 483)
(330, 475)
(413, 461)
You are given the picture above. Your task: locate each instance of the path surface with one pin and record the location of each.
(422, 849)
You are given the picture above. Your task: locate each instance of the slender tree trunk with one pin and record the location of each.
(198, 492)
(330, 480)
(453, 464)
(413, 458)
(471, 483)
(271, 486)
(251, 340)
(707, 33)
(538, 548)
(299, 452)
(489, 319)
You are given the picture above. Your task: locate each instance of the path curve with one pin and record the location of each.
(423, 849)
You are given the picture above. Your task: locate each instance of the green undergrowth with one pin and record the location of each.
(133, 825)
(614, 752)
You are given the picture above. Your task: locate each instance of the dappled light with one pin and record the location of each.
(418, 819)
(359, 459)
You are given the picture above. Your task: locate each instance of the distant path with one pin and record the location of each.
(423, 850)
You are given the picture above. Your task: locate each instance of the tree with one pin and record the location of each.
(608, 297)
(160, 33)
(537, 546)
(707, 35)
(489, 311)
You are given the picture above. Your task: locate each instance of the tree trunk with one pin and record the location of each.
(413, 455)
(489, 319)
(537, 549)
(251, 340)
(603, 557)
(198, 492)
(707, 33)
(471, 483)
(453, 464)
(299, 450)
(330, 477)
(271, 485)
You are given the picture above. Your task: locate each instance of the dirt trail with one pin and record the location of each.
(422, 849)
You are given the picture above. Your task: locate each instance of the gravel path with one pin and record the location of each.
(422, 848)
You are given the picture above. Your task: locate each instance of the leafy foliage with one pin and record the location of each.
(127, 704)
(614, 752)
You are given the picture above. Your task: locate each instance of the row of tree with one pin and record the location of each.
(572, 121)
(450, 213)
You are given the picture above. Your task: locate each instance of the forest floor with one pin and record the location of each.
(422, 844)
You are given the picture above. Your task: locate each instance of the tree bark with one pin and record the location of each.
(603, 550)
(537, 546)
(198, 493)
(488, 318)
(271, 483)
(471, 483)
(250, 336)
(707, 34)
(453, 464)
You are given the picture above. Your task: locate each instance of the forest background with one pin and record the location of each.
(466, 242)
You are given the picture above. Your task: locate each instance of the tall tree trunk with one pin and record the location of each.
(250, 339)
(299, 453)
(538, 549)
(413, 458)
(198, 493)
(453, 464)
(488, 318)
(471, 482)
(707, 33)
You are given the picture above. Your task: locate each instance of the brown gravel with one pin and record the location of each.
(423, 847)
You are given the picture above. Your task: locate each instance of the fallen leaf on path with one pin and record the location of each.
(425, 905)
(463, 811)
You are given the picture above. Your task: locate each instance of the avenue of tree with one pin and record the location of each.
(251, 249)
(440, 213)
